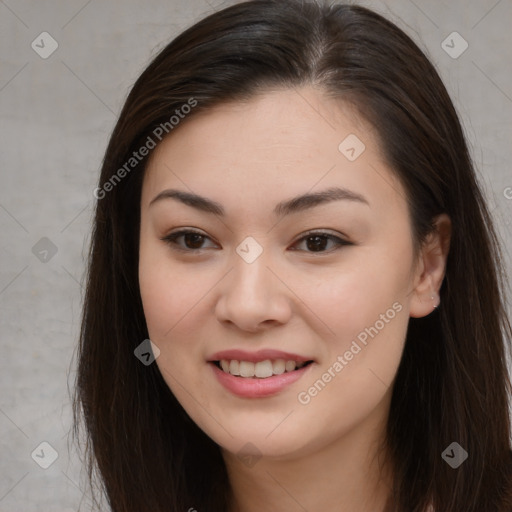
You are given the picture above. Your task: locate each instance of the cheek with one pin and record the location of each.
(171, 300)
(168, 292)
(160, 299)
(174, 316)
(175, 303)
(354, 296)
(365, 309)
(164, 302)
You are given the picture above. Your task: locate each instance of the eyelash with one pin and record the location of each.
(171, 238)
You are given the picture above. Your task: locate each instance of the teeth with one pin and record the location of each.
(246, 369)
(261, 370)
(278, 366)
(289, 366)
(234, 367)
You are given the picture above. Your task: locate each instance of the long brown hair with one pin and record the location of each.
(452, 383)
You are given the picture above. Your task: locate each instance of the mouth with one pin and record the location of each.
(258, 374)
(261, 369)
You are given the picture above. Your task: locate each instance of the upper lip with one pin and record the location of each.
(255, 357)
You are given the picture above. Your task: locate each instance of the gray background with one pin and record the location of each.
(57, 114)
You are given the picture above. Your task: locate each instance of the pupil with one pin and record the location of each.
(196, 240)
(319, 242)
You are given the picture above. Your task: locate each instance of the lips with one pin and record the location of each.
(258, 356)
(261, 364)
(258, 374)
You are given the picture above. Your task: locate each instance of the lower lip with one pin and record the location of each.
(256, 387)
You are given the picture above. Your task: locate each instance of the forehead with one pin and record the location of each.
(270, 122)
(276, 144)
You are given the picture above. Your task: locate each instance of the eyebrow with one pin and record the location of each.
(294, 205)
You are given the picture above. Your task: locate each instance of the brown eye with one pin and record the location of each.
(319, 242)
(191, 240)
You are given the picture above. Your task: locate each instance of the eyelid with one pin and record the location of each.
(171, 237)
(341, 241)
(320, 231)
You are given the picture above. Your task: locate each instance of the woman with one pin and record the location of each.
(287, 209)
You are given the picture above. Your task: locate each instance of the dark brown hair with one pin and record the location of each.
(452, 383)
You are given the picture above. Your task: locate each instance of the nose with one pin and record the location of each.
(253, 297)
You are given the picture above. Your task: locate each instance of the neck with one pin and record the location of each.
(350, 473)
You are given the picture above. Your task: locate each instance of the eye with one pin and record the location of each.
(317, 241)
(193, 240)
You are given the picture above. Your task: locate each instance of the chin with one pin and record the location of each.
(262, 438)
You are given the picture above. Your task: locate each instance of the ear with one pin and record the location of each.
(430, 268)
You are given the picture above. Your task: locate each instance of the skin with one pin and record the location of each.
(323, 455)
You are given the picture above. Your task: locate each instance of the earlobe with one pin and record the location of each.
(431, 269)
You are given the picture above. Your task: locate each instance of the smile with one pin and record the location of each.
(261, 369)
(252, 386)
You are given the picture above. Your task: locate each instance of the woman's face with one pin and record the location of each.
(298, 273)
